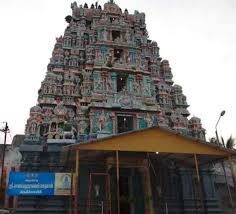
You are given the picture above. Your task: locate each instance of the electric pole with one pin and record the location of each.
(5, 131)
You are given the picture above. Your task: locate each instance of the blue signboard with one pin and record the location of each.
(31, 183)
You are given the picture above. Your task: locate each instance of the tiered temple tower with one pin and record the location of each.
(105, 77)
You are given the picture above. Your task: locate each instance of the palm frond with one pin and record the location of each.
(230, 143)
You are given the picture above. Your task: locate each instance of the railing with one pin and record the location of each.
(4, 211)
(94, 206)
(169, 206)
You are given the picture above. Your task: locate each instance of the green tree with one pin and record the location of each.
(230, 143)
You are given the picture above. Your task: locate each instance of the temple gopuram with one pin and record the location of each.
(109, 112)
(106, 77)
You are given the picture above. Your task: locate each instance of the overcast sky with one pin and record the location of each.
(198, 37)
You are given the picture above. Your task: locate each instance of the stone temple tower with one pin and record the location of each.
(105, 77)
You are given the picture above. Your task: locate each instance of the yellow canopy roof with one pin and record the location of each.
(154, 139)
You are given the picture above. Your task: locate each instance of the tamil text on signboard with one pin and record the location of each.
(34, 183)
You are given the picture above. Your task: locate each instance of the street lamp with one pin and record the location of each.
(221, 115)
(223, 164)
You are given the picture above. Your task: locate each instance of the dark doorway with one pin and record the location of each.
(131, 189)
(157, 94)
(121, 82)
(124, 183)
(118, 55)
(125, 123)
(99, 193)
(115, 35)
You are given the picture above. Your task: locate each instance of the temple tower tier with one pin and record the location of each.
(105, 77)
